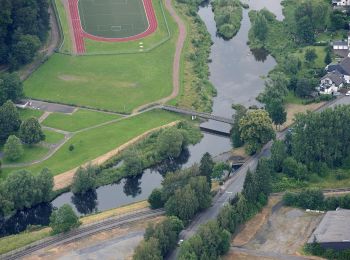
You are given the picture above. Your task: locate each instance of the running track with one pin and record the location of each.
(80, 34)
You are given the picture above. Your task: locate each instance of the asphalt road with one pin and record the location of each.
(235, 184)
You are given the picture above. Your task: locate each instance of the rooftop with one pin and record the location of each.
(334, 227)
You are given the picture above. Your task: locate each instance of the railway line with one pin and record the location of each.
(82, 232)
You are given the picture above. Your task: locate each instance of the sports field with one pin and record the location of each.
(113, 18)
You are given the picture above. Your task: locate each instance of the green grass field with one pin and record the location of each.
(113, 19)
(28, 113)
(93, 143)
(78, 120)
(113, 82)
(31, 153)
(52, 137)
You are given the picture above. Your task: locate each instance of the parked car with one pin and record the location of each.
(347, 93)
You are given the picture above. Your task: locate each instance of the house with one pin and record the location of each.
(331, 83)
(333, 232)
(341, 2)
(342, 67)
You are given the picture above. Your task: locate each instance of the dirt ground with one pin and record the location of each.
(293, 109)
(115, 244)
(276, 230)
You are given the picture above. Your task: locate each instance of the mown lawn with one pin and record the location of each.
(160, 35)
(78, 120)
(112, 82)
(27, 113)
(31, 153)
(320, 52)
(98, 141)
(52, 137)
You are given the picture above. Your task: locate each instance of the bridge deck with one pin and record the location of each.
(199, 114)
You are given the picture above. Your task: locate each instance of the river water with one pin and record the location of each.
(237, 76)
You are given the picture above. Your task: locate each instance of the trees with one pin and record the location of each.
(260, 28)
(166, 232)
(30, 131)
(148, 250)
(23, 190)
(277, 112)
(235, 132)
(256, 130)
(183, 204)
(209, 243)
(170, 143)
(84, 180)
(24, 26)
(132, 163)
(11, 87)
(219, 170)
(304, 87)
(13, 148)
(328, 57)
(276, 88)
(278, 154)
(9, 120)
(63, 220)
(206, 167)
(155, 199)
(310, 55)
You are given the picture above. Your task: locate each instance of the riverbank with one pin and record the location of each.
(197, 91)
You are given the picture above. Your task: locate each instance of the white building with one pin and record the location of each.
(331, 83)
(341, 2)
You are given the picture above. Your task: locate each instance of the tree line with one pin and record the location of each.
(24, 28)
(14, 132)
(315, 200)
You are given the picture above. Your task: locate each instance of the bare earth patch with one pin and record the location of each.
(66, 77)
(250, 228)
(285, 231)
(293, 109)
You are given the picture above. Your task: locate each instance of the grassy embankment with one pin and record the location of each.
(111, 82)
(196, 91)
(95, 142)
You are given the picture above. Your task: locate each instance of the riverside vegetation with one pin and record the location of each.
(228, 16)
(197, 90)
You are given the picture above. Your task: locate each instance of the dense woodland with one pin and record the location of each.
(24, 28)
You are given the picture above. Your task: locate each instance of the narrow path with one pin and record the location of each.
(177, 58)
(43, 117)
(48, 49)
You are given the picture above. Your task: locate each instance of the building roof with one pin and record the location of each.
(334, 227)
(340, 43)
(335, 76)
(345, 65)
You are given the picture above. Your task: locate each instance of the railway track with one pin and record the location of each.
(82, 232)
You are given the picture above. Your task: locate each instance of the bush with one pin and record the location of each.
(155, 199)
(13, 148)
(84, 180)
(63, 220)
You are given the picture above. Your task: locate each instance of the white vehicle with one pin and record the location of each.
(180, 242)
(347, 93)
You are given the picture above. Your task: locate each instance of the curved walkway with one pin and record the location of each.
(177, 58)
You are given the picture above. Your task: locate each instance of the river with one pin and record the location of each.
(237, 76)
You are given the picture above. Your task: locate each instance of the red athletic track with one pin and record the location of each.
(80, 34)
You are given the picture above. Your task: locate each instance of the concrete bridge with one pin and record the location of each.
(198, 114)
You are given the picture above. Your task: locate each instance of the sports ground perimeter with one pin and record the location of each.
(111, 20)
